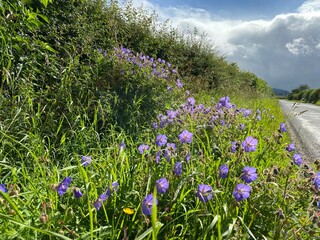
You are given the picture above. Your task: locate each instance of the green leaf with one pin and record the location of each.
(12, 220)
(12, 204)
(148, 231)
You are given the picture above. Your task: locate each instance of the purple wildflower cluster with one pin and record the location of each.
(152, 67)
(63, 186)
(104, 196)
(221, 116)
(217, 116)
(65, 183)
(162, 186)
(297, 158)
(242, 191)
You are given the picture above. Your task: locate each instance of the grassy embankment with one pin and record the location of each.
(100, 108)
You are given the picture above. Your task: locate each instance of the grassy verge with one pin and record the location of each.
(115, 185)
(102, 141)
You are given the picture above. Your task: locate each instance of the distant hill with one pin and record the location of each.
(280, 92)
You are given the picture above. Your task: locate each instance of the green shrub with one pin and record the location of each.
(317, 95)
(312, 96)
(306, 95)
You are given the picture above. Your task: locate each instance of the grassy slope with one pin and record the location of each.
(68, 90)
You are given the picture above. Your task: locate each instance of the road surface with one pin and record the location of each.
(303, 120)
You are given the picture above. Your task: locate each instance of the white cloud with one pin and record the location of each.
(299, 47)
(284, 50)
(311, 6)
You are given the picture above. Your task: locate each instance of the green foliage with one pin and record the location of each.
(80, 77)
(308, 95)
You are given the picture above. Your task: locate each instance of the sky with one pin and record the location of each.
(278, 40)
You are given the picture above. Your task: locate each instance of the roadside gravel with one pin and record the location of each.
(303, 121)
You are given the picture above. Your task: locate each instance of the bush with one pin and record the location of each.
(317, 94)
(306, 95)
(312, 96)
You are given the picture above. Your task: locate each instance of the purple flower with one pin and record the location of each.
(213, 118)
(249, 174)
(191, 101)
(171, 146)
(169, 88)
(223, 171)
(177, 168)
(290, 147)
(233, 147)
(187, 158)
(3, 188)
(241, 192)
(179, 84)
(162, 185)
(250, 144)
(122, 146)
(143, 148)
(155, 125)
(259, 118)
(167, 155)
(63, 186)
(163, 123)
(172, 114)
(114, 187)
(77, 192)
(241, 126)
(204, 193)
(98, 203)
(316, 181)
(246, 112)
(85, 160)
(158, 157)
(282, 127)
(185, 136)
(147, 204)
(161, 140)
(225, 102)
(297, 159)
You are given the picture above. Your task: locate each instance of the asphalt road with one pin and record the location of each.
(303, 121)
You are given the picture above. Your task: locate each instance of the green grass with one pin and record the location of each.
(70, 88)
(32, 207)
